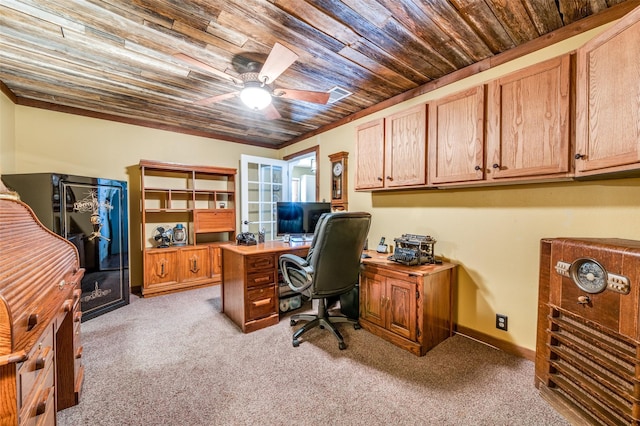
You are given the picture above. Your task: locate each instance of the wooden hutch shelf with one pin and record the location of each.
(202, 199)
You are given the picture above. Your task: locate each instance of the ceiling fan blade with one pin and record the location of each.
(216, 99)
(278, 60)
(302, 95)
(195, 62)
(271, 113)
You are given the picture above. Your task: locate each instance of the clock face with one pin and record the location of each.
(589, 275)
(337, 169)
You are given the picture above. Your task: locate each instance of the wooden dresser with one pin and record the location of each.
(40, 354)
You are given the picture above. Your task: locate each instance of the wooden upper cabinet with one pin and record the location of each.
(391, 152)
(405, 152)
(456, 137)
(370, 155)
(608, 100)
(528, 122)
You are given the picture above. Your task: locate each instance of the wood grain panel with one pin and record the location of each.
(608, 110)
(115, 59)
(370, 155)
(529, 121)
(405, 157)
(456, 137)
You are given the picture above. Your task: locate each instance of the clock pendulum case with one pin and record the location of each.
(339, 190)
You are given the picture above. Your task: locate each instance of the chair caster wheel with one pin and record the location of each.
(296, 343)
(342, 346)
(292, 322)
(357, 326)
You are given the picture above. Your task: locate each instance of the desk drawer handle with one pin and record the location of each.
(41, 408)
(261, 263)
(32, 321)
(262, 302)
(262, 280)
(41, 360)
(194, 265)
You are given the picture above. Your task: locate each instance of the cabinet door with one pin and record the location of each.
(372, 297)
(528, 121)
(456, 137)
(216, 261)
(194, 263)
(370, 155)
(405, 157)
(401, 309)
(607, 99)
(160, 267)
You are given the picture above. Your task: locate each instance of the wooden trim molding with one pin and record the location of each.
(314, 149)
(4, 89)
(503, 345)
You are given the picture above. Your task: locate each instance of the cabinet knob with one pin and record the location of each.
(389, 178)
(379, 178)
(476, 168)
(579, 156)
(496, 166)
(584, 300)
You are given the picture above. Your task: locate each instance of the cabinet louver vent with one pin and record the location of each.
(593, 370)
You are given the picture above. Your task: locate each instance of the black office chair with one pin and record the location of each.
(331, 268)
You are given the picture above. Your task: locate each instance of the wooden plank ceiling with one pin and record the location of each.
(115, 59)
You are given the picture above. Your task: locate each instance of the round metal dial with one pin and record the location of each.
(589, 275)
(337, 169)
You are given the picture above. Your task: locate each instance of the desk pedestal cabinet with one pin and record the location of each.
(250, 288)
(410, 306)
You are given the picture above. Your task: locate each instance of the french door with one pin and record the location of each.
(263, 182)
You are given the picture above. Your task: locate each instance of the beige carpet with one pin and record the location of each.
(177, 360)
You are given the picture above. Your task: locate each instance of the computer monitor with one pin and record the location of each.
(299, 218)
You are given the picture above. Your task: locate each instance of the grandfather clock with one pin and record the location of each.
(339, 190)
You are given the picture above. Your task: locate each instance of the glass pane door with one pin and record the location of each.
(263, 182)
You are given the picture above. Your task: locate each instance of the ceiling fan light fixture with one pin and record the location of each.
(255, 95)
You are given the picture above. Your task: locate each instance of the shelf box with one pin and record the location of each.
(214, 220)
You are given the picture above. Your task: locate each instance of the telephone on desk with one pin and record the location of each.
(246, 239)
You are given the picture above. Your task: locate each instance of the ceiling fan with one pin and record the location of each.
(256, 85)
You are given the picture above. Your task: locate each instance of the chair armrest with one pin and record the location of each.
(296, 272)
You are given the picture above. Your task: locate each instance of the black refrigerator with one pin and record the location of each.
(92, 214)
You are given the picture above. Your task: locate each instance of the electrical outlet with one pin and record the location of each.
(501, 322)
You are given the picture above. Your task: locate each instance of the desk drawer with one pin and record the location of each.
(39, 409)
(261, 302)
(260, 262)
(260, 279)
(40, 360)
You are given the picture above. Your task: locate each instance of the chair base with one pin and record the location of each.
(323, 321)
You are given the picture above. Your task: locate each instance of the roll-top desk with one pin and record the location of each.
(40, 354)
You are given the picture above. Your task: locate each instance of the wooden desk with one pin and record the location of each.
(410, 306)
(250, 282)
(40, 354)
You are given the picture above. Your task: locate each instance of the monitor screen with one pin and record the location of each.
(299, 218)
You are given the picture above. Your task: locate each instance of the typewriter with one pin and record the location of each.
(411, 249)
